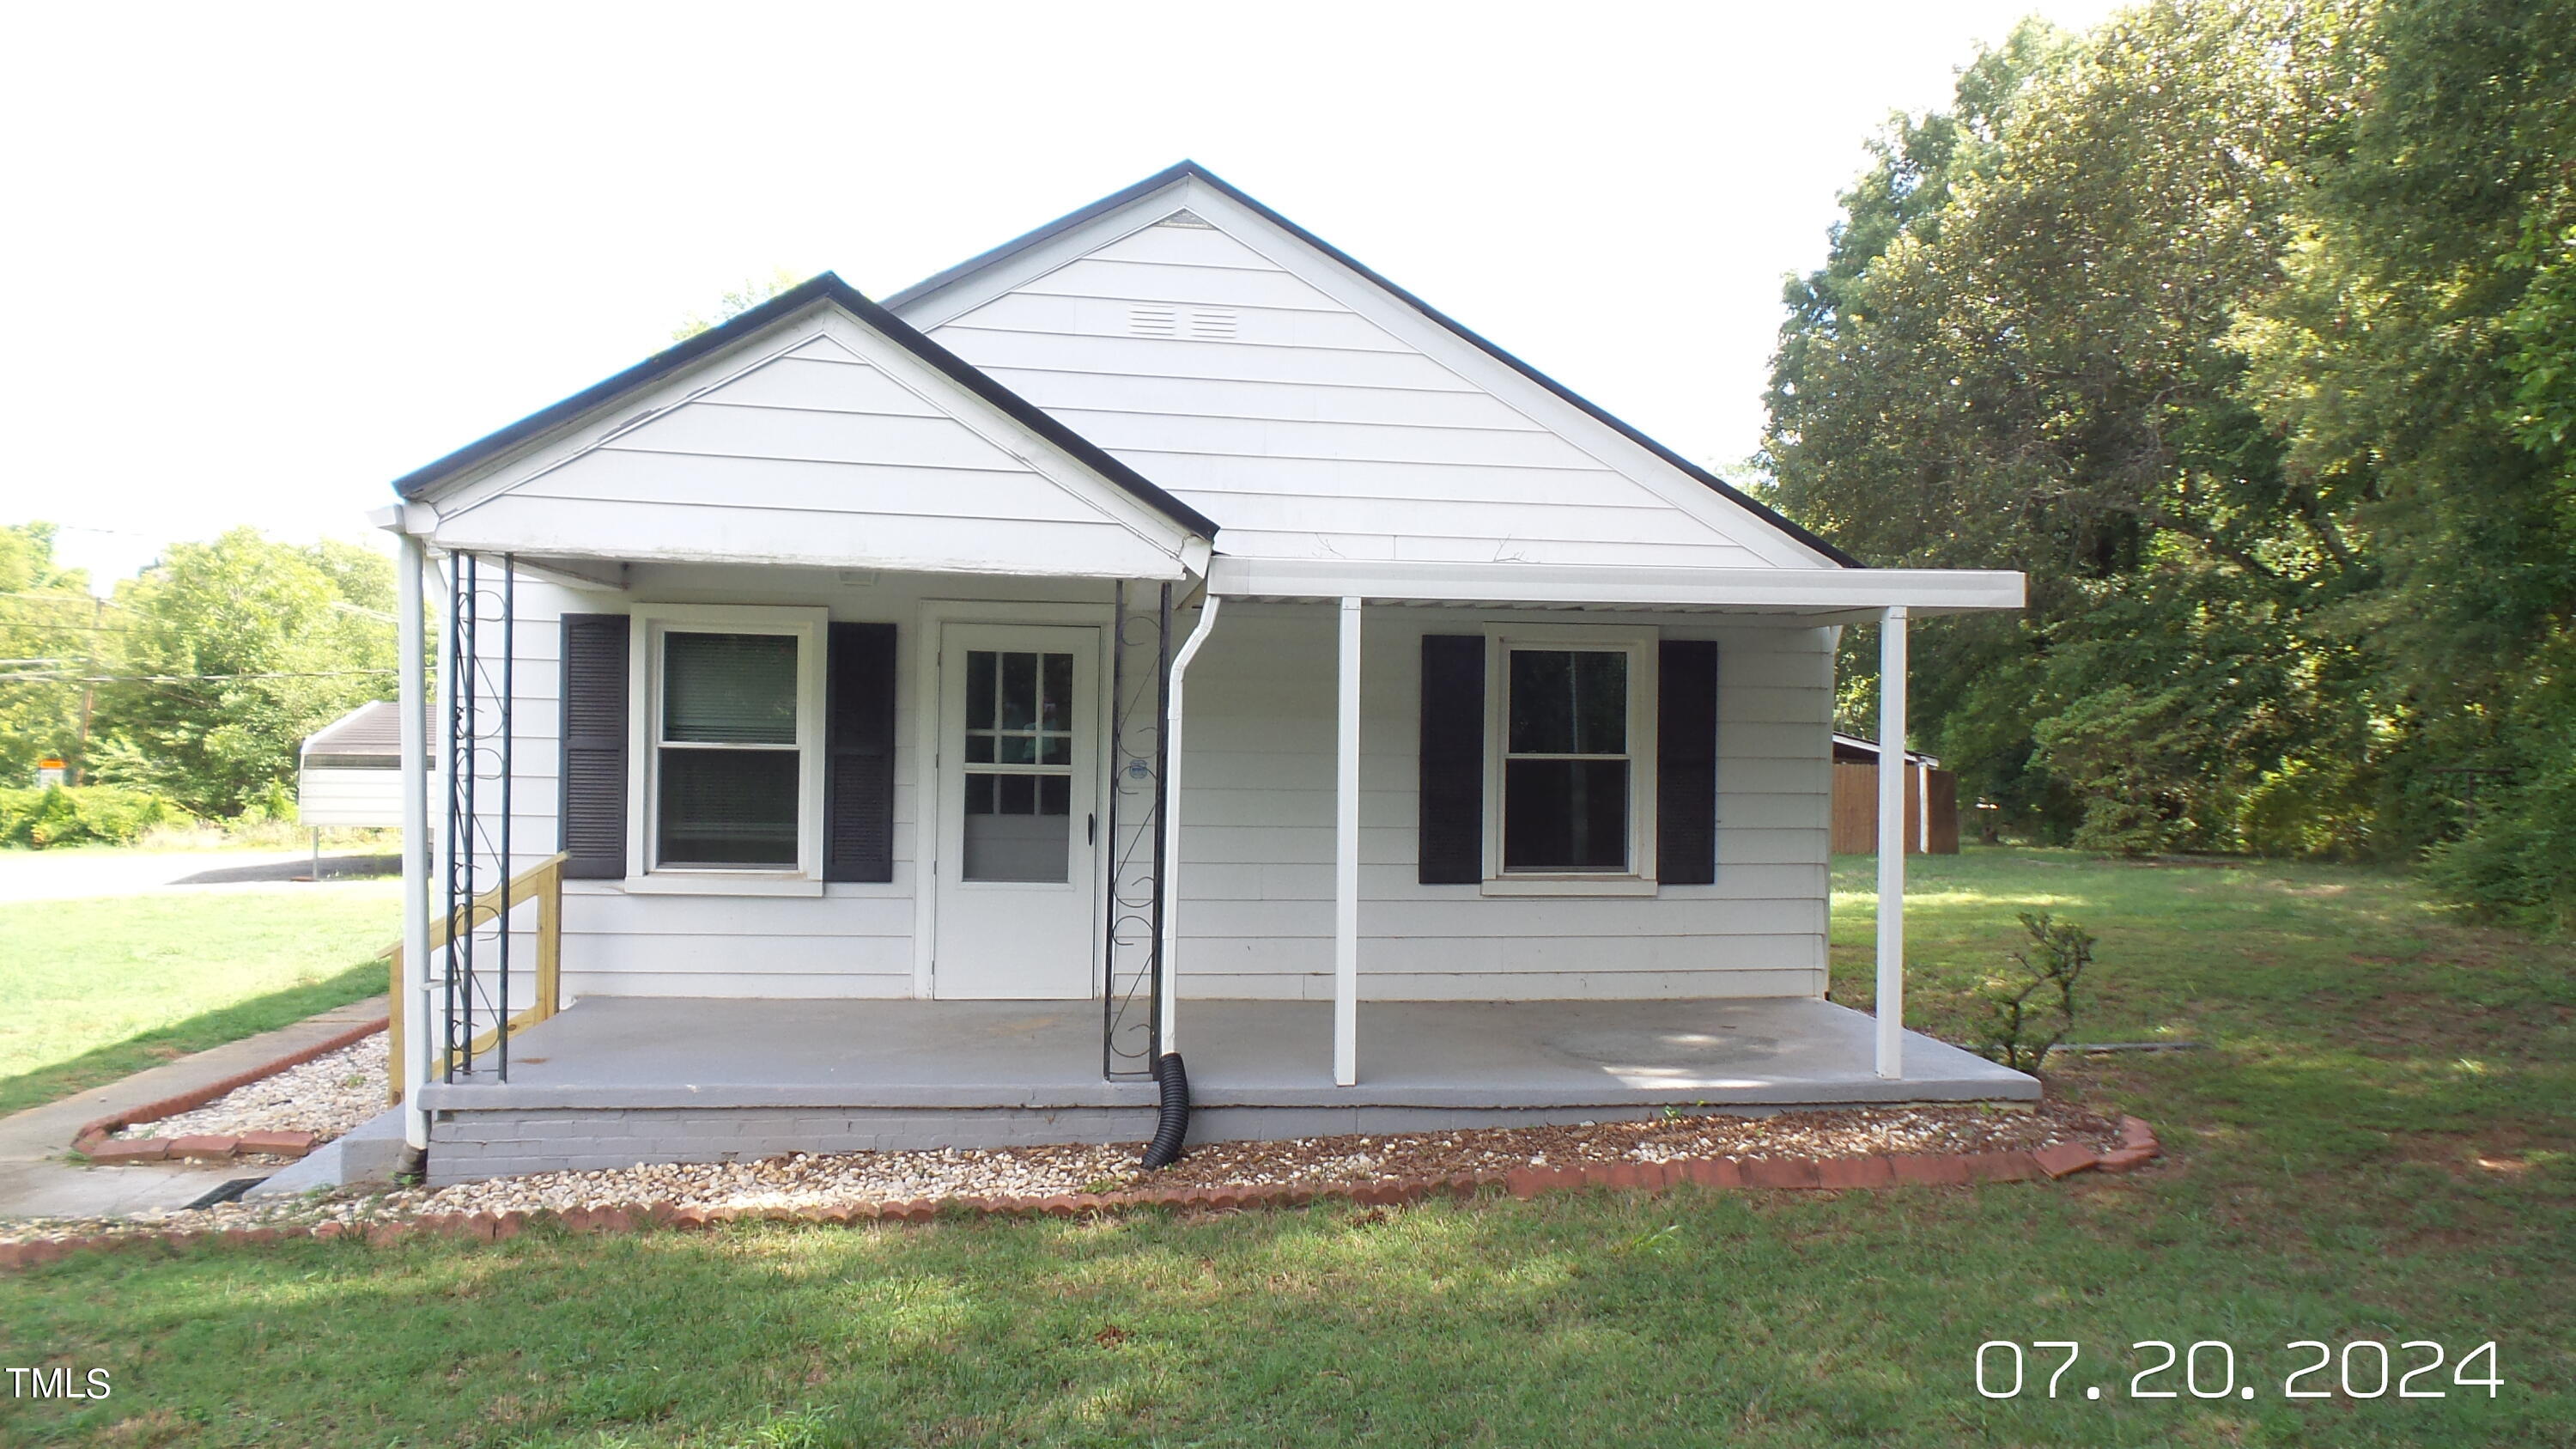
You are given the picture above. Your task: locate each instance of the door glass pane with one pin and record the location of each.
(1056, 697)
(727, 808)
(983, 667)
(1569, 702)
(1565, 814)
(1019, 691)
(1009, 837)
(729, 689)
(1019, 727)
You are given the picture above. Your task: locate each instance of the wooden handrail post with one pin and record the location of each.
(550, 939)
(395, 1010)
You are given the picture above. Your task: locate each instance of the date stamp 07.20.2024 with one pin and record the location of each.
(2210, 1369)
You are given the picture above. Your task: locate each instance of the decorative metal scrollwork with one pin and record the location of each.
(1140, 681)
(474, 835)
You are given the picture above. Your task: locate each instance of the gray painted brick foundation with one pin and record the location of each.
(615, 1082)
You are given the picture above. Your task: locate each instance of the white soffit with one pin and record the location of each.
(1919, 591)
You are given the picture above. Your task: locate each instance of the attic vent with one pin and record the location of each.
(1185, 218)
(1203, 324)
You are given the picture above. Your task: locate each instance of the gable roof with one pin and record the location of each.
(1190, 170)
(826, 287)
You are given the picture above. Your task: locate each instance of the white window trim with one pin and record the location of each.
(808, 626)
(1638, 642)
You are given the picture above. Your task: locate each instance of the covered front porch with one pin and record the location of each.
(616, 1081)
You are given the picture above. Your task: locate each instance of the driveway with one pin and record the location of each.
(38, 875)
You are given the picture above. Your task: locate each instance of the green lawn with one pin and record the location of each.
(99, 989)
(2375, 1148)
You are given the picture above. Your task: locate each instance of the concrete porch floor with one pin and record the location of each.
(702, 1053)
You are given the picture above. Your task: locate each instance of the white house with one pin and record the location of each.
(1158, 630)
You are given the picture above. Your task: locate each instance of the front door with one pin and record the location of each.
(1019, 769)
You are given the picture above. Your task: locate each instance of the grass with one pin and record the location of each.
(2376, 1146)
(100, 989)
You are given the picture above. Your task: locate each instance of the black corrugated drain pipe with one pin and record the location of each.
(1165, 1149)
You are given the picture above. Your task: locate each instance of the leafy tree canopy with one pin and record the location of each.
(237, 650)
(2244, 327)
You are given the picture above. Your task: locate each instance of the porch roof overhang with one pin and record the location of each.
(1817, 596)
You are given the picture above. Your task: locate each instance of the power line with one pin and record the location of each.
(91, 599)
(185, 678)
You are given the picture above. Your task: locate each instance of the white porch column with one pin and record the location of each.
(412, 649)
(1346, 858)
(1891, 844)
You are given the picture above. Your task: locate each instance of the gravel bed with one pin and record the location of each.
(326, 1096)
(802, 1180)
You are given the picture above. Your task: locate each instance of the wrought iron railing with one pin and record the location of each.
(1140, 681)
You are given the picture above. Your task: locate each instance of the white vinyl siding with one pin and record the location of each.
(1259, 845)
(1312, 431)
(1257, 826)
(824, 449)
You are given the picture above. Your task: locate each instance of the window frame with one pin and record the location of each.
(652, 623)
(1638, 643)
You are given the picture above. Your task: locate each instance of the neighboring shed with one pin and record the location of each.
(1931, 801)
(350, 771)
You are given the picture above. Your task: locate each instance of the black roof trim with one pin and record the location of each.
(830, 288)
(1171, 174)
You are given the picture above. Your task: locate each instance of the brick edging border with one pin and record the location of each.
(95, 1136)
(2137, 1147)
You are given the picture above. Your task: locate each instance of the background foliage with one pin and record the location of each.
(2248, 329)
(201, 676)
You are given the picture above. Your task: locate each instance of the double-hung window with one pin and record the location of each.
(1571, 739)
(731, 745)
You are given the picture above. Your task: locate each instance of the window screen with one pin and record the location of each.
(727, 764)
(1566, 767)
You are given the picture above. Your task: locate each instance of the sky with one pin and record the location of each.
(263, 259)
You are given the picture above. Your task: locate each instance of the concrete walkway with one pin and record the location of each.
(37, 1181)
(38, 875)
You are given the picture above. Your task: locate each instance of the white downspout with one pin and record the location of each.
(1168, 950)
(413, 647)
(1891, 844)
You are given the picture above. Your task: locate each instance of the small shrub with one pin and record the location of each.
(2056, 957)
(81, 815)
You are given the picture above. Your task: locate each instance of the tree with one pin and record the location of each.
(51, 634)
(2019, 354)
(2248, 329)
(239, 649)
(752, 292)
(2421, 363)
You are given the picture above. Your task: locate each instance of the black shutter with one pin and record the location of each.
(1686, 763)
(594, 746)
(858, 741)
(1453, 759)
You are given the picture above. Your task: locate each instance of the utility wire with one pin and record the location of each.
(188, 678)
(66, 598)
